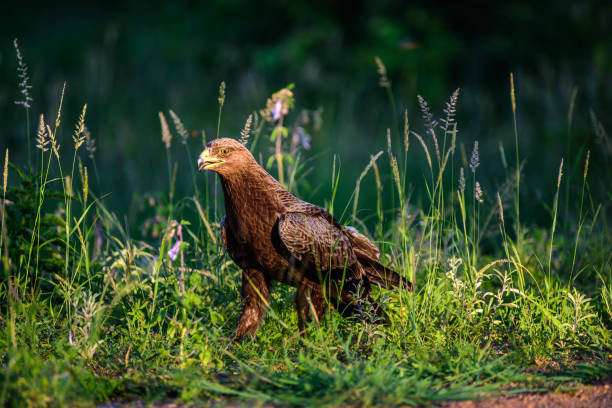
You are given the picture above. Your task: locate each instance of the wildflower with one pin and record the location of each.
(278, 105)
(277, 110)
(305, 138)
(174, 251)
(478, 193)
(451, 274)
(475, 160)
(461, 180)
(24, 85)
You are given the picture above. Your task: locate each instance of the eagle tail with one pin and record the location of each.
(385, 277)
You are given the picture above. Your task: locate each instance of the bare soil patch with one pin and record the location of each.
(592, 396)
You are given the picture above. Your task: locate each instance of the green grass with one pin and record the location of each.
(94, 310)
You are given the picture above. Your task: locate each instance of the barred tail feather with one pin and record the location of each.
(385, 277)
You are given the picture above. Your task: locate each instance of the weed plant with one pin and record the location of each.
(96, 308)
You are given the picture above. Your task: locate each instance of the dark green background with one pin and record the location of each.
(128, 62)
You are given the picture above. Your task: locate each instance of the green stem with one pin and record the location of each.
(518, 182)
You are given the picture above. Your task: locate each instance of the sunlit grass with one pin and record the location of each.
(89, 313)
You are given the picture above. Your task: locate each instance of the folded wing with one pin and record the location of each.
(314, 243)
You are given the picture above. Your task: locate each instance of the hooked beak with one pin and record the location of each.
(206, 162)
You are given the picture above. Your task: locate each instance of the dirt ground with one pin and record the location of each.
(588, 396)
(592, 396)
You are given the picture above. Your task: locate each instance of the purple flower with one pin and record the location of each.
(173, 252)
(277, 111)
(305, 138)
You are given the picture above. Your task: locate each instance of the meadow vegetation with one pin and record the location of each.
(91, 314)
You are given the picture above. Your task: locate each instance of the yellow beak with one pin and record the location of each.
(206, 162)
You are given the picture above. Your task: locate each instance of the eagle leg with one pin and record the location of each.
(256, 299)
(309, 303)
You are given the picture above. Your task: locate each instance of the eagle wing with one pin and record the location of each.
(311, 241)
(314, 242)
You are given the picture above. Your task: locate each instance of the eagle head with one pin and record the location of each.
(225, 156)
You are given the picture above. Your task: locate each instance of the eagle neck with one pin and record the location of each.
(247, 190)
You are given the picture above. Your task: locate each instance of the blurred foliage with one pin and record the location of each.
(128, 62)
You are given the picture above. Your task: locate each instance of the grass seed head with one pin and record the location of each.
(80, 165)
(24, 79)
(246, 131)
(512, 95)
(165, 130)
(68, 185)
(59, 109)
(90, 143)
(376, 175)
(79, 136)
(450, 110)
(178, 125)
(383, 80)
(85, 186)
(501, 207)
(586, 165)
(453, 139)
(396, 177)
(430, 123)
(502, 153)
(461, 180)
(425, 149)
(475, 159)
(54, 145)
(221, 98)
(478, 193)
(41, 136)
(560, 174)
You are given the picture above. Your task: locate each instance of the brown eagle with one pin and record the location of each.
(274, 236)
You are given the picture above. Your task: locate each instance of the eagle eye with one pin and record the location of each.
(224, 151)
